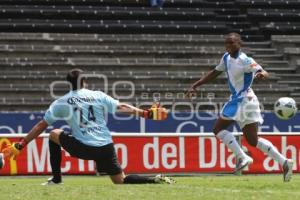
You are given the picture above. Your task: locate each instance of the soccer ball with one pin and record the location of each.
(2, 162)
(285, 108)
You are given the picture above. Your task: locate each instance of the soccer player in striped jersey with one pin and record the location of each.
(89, 139)
(243, 105)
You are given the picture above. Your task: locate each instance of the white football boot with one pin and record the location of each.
(243, 162)
(287, 170)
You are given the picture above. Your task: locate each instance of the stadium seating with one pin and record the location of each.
(167, 64)
(204, 17)
(268, 4)
(178, 16)
(158, 49)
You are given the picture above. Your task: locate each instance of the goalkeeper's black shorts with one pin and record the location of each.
(104, 156)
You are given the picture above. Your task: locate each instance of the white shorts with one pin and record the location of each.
(243, 110)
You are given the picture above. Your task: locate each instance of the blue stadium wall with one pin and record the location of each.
(177, 122)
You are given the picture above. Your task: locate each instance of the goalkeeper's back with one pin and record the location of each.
(84, 110)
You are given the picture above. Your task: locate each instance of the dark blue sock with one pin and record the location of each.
(55, 160)
(136, 179)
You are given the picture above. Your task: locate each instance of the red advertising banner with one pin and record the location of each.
(144, 154)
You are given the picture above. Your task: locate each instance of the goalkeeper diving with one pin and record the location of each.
(89, 138)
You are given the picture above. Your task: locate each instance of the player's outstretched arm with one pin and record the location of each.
(262, 75)
(156, 112)
(211, 75)
(14, 149)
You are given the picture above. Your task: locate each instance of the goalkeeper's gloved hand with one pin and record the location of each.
(156, 112)
(14, 149)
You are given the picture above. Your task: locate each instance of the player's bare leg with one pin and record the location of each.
(250, 133)
(221, 124)
(229, 140)
(54, 135)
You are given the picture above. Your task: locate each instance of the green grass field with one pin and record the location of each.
(262, 187)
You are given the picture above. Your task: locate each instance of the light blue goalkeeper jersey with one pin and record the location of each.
(84, 110)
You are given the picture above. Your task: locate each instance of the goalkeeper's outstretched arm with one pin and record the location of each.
(211, 75)
(14, 149)
(129, 109)
(155, 112)
(36, 131)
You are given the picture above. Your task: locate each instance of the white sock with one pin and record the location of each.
(267, 147)
(229, 140)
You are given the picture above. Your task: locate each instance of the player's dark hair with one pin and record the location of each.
(73, 77)
(236, 35)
